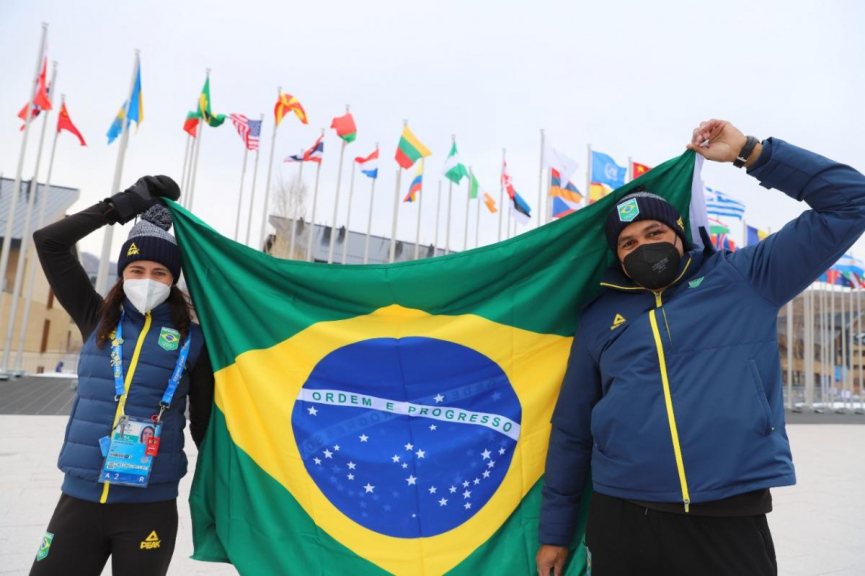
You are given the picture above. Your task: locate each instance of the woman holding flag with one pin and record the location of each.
(143, 356)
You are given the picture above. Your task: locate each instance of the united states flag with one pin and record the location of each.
(249, 130)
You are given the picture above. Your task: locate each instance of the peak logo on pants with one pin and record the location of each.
(151, 542)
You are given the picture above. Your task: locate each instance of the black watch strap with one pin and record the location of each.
(745, 152)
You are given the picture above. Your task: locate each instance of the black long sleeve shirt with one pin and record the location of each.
(55, 246)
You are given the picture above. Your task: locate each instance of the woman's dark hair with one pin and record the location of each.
(109, 313)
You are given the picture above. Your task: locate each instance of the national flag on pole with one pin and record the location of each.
(369, 165)
(416, 184)
(507, 183)
(519, 209)
(566, 199)
(410, 149)
(555, 160)
(598, 191)
(244, 128)
(190, 126)
(41, 101)
(490, 203)
(288, 103)
(136, 110)
(204, 110)
(314, 154)
(638, 169)
(722, 204)
(454, 169)
(755, 235)
(64, 122)
(474, 188)
(719, 234)
(356, 362)
(606, 171)
(345, 127)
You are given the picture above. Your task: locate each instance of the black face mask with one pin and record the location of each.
(653, 266)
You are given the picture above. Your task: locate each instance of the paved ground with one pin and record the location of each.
(818, 525)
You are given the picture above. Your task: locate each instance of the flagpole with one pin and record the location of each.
(293, 208)
(16, 187)
(336, 199)
(24, 245)
(269, 173)
(240, 194)
(630, 169)
(184, 198)
(477, 212)
(861, 409)
(541, 184)
(31, 271)
(348, 217)
(843, 376)
(200, 136)
(392, 252)
(438, 212)
(314, 202)
(468, 207)
(252, 192)
(588, 196)
(105, 257)
(448, 223)
(369, 221)
(420, 196)
(185, 162)
(501, 195)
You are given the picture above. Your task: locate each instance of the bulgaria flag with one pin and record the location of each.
(345, 127)
(399, 426)
(369, 165)
(410, 149)
(454, 169)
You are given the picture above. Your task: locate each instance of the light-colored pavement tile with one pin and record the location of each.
(818, 525)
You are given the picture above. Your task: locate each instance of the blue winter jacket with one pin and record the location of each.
(94, 409)
(675, 395)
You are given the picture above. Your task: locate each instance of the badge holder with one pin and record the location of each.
(131, 449)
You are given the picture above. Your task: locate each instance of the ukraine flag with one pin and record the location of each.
(389, 419)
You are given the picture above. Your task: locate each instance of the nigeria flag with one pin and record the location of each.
(389, 419)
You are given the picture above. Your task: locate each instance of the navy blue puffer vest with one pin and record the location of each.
(94, 409)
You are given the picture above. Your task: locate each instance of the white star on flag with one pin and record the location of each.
(486, 454)
(486, 473)
(336, 448)
(432, 426)
(443, 502)
(466, 494)
(467, 505)
(466, 484)
(395, 458)
(420, 453)
(317, 461)
(351, 465)
(439, 398)
(432, 489)
(369, 488)
(312, 411)
(412, 480)
(491, 463)
(328, 453)
(409, 446)
(476, 481)
(350, 476)
(404, 465)
(363, 437)
(501, 451)
(452, 489)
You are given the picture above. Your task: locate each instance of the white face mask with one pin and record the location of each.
(147, 294)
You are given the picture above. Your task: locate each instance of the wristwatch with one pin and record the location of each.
(745, 152)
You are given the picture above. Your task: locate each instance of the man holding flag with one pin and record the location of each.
(673, 389)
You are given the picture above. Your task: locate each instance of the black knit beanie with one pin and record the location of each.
(642, 205)
(149, 240)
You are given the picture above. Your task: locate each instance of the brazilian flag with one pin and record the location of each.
(389, 419)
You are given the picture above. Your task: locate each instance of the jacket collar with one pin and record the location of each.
(614, 278)
(160, 313)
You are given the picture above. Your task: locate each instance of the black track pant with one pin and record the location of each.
(625, 539)
(139, 538)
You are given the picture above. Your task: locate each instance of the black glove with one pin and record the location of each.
(136, 199)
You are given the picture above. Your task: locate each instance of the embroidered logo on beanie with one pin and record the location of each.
(133, 250)
(628, 210)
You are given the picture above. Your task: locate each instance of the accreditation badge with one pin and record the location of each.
(129, 458)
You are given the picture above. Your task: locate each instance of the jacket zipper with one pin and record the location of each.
(121, 404)
(668, 401)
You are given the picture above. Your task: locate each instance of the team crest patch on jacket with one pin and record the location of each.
(618, 321)
(169, 339)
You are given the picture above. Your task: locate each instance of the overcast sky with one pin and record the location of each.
(630, 78)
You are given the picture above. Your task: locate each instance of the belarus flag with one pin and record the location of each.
(369, 165)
